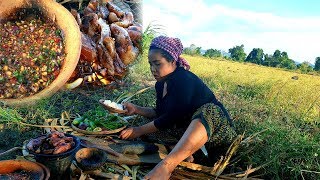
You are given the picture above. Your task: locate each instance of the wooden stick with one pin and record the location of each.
(196, 167)
(106, 148)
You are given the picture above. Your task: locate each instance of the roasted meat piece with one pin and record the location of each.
(127, 52)
(115, 9)
(34, 144)
(105, 59)
(112, 17)
(76, 15)
(53, 143)
(88, 49)
(127, 20)
(119, 67)
(93, 5)
(136, 37)
(103, 12)
(90, 24)
(62, 147)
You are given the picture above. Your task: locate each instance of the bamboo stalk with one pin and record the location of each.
(42, 126)
(10, 150)
(310, 171)
(196, 167)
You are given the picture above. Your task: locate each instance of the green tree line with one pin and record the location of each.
(257, 56)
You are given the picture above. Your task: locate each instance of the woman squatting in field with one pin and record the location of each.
(185, 107)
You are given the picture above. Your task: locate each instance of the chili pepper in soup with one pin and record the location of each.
(31, 54)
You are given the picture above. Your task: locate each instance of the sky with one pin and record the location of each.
(292, 26)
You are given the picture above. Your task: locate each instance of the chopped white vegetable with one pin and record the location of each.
(113, 104)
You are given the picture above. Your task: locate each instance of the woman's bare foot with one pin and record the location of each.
(161, 171)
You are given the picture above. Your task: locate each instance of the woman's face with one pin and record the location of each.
(159, 65)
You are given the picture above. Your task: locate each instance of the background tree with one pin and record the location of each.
(305, 67)
(187, 50)
(267, 60)
(192, 50)
(286, 62)
(198, 51)
(237, 53)
(279, 59)
(275, 61)
(283, 57)
(212, 53)
(317, 64)
(255, 56)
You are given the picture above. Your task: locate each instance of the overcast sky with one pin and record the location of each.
(288, 25)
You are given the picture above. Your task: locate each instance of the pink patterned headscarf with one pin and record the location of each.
(173, 46)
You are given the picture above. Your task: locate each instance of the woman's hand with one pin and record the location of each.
(130, 133)
(131, 108)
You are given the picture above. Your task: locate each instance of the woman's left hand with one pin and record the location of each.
(160, 172)
(130, 133)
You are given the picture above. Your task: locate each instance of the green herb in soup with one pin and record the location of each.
(31, 54)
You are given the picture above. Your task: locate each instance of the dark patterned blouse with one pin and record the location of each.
(185, 94)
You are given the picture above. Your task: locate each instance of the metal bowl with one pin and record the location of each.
(58, 164)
